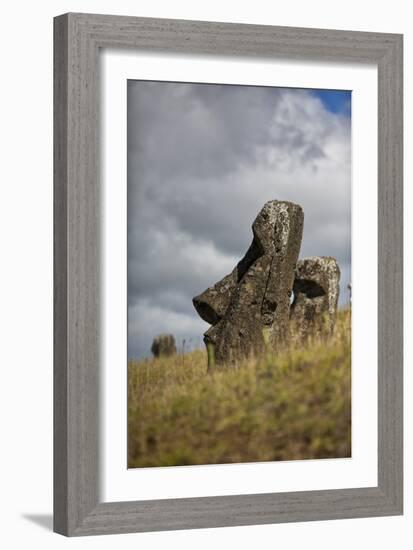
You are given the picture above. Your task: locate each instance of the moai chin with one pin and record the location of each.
(316, 289)
(163, 345)
(249, 308)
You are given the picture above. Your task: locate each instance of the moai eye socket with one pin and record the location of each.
(253, 253)
(310, 288)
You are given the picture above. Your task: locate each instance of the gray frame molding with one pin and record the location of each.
(78, 38)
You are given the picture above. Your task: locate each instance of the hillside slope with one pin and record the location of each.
(296, 405)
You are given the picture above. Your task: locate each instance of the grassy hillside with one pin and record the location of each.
(296, 405)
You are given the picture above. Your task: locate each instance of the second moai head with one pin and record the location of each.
(316, 290)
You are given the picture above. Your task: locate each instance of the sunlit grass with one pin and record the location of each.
(296, 405)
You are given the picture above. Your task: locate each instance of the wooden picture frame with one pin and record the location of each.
(78, 38)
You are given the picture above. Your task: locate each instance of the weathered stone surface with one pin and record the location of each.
(316, 289)
(249, 308)
(212, 304)
(163, 345)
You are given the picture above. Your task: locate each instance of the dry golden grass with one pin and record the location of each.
(296, 405)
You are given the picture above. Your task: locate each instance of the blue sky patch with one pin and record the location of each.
(335, 101)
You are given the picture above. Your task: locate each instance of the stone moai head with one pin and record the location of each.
(249, 308)
(316, 290)
(163, 345)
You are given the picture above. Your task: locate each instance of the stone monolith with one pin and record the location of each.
(163, 345)
(249, 308)
(316, 289)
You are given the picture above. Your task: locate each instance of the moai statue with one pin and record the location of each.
(163, 345)
(316, 289)
(249, 308)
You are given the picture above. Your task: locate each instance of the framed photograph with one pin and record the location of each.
(228, 274)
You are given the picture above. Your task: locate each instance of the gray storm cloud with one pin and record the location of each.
(202, 160)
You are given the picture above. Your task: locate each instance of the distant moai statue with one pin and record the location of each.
(316, 289)
(249, 308)
(163, 345)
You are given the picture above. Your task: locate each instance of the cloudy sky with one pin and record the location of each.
(202, 161)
